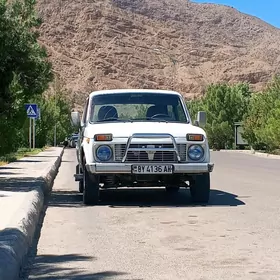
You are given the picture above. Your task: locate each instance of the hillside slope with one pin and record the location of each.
(155, 44)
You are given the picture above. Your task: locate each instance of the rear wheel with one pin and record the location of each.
(90, 188)
(200, 188)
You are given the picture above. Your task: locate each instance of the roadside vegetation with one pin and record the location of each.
(20, 153)
(259, 113)
(25, 76)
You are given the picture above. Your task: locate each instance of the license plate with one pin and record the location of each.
(152, 169)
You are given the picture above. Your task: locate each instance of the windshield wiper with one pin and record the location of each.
(151, 119)
(115, 120)
(132, 120)
(108, 120)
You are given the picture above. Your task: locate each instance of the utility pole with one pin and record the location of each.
(55, 119)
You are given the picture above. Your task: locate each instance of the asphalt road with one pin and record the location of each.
(144, 234)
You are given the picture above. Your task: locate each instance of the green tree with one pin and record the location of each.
(55, 111)
(261, 123)
(224, 105)
(271, 132)
(24, 69)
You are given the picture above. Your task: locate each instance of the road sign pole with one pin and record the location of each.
(34, 133)
(30, 131)
(54, 136)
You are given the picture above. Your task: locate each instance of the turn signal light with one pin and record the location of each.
(195, 137)
(103, 137)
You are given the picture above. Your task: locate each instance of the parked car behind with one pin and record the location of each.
(73, 140)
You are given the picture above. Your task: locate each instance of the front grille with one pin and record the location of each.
(119, 151)
(142, 156)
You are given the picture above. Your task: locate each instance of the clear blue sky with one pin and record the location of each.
(267, 10)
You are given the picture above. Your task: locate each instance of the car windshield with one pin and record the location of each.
(116, 107)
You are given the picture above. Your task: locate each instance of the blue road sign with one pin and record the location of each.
(31, 110)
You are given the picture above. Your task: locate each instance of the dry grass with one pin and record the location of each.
(22, 152)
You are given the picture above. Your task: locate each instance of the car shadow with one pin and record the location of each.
(64, 199)
(143, 198)
(160, 198)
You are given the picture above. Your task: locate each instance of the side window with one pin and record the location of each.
(84, 117)
(181, 114)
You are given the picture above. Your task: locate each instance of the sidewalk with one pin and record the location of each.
(23, 185)
(252, 152)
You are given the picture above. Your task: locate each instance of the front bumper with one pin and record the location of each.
(125, 168)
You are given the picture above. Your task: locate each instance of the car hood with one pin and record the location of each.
(124, 130)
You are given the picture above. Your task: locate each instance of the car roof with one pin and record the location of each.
(110, 91)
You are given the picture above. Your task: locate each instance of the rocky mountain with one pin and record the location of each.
(170, 44)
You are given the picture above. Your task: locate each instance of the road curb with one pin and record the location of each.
(16, 239)
(48, 179)
(250, 152)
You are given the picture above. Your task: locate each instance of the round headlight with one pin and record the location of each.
(104, 153)
(195, 152)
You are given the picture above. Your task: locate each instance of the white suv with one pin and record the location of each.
(135, 138)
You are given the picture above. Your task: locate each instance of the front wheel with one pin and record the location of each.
(90, 189)
(200, 188)
(81, 186)
(81, 182)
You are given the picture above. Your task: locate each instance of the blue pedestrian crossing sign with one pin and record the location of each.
(31, 110)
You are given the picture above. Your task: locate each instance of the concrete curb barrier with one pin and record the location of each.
(48, 179)
(16, 239)
(251, 152)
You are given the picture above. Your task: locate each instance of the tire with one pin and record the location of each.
(81, 183)
(200, 189)
(90, 189)
(81, 186)
(172, 189)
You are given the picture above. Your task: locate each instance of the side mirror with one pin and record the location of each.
(75, 119)
(201, 118)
